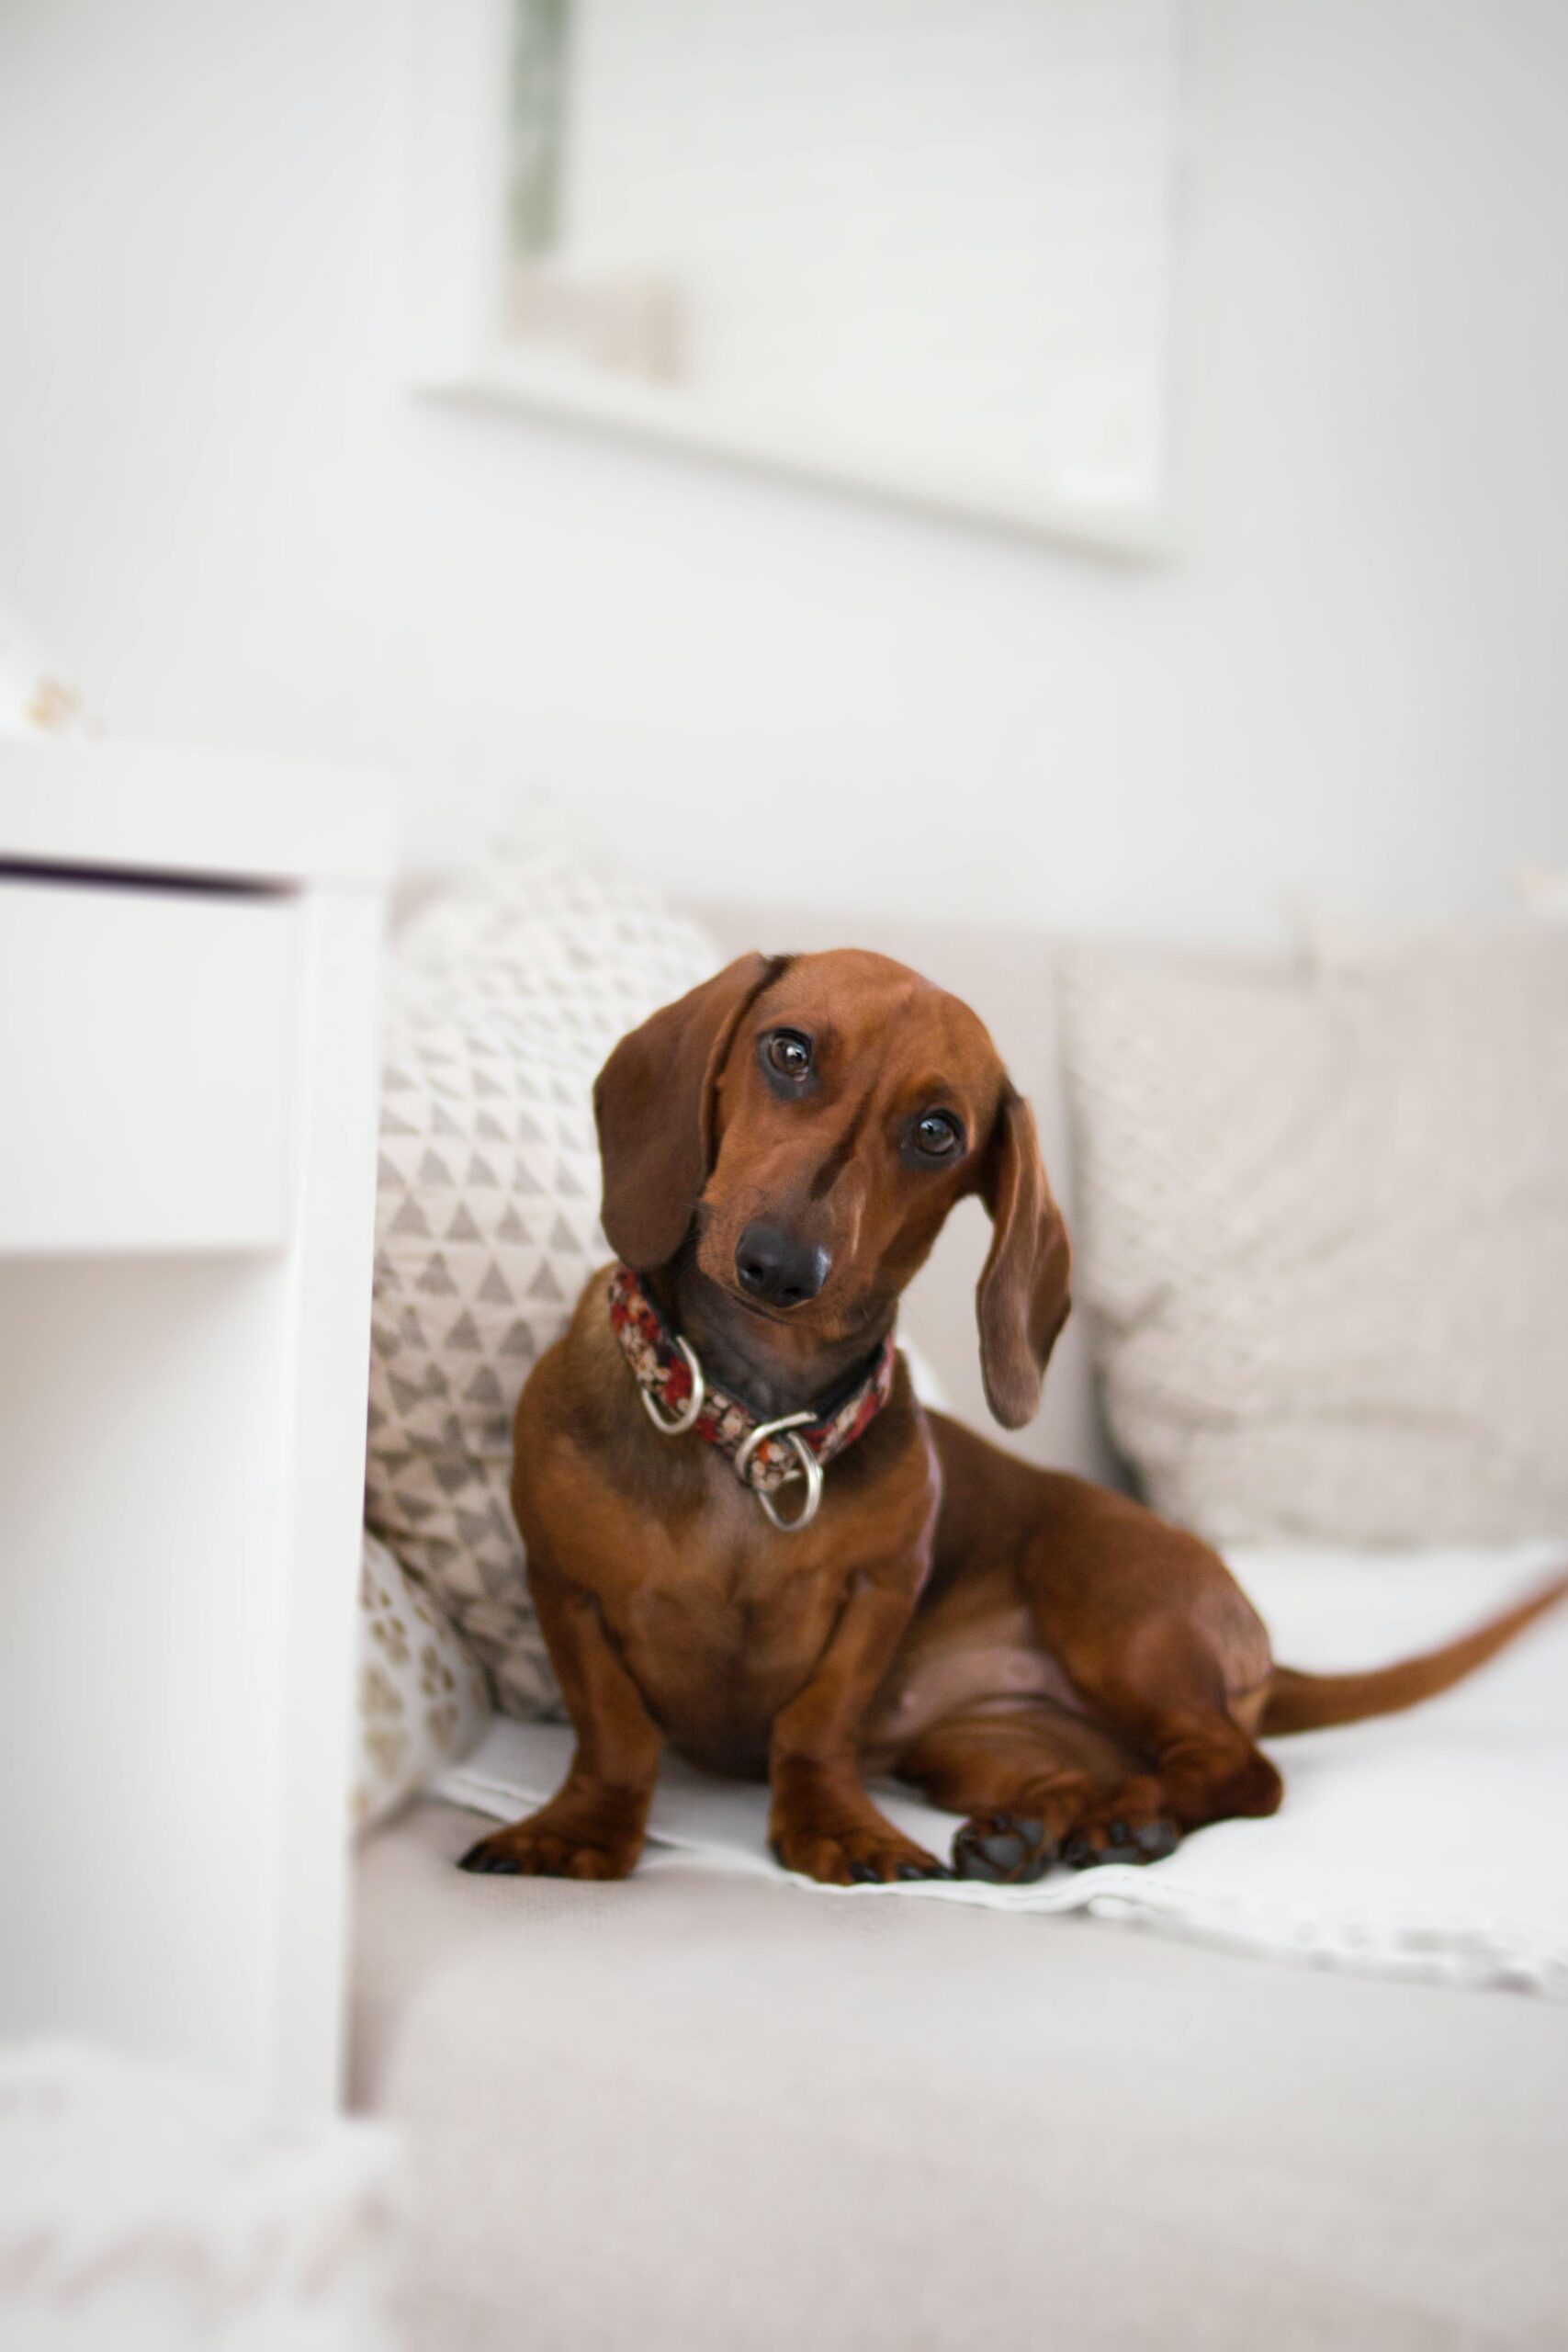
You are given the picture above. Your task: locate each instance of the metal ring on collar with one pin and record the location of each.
(809, 1468)
(686, 1418)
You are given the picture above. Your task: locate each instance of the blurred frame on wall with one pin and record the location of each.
(924, 248)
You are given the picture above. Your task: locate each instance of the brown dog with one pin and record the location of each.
(1045, 1657)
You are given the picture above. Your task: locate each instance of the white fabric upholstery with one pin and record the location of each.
(1322, 1235)
(698, 2114)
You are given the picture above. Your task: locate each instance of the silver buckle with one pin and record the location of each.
(809, 1468)
(686, 1418)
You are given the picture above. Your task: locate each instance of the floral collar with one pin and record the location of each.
(766, 1455)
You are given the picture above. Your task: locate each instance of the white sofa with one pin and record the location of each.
(693, 2112)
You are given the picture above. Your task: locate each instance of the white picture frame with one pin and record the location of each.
(457, 262)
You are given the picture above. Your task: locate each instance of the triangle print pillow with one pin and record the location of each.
(509, 994)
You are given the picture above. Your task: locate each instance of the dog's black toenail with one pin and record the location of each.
(921, 1870)
(1080, 1853)
(1156, 1840)
(1119, 1834)
(488, 1864)
(864, 1873)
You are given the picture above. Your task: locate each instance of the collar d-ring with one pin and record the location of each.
(676, 1425)
(809, 1468)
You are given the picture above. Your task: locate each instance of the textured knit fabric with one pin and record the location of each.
(1322, 1235)
(423, 1699)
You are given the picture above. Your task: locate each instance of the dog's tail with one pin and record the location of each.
(1310, 1701)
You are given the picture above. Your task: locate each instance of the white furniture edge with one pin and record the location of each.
(334, 1214)
(127, 807)
(324, 837)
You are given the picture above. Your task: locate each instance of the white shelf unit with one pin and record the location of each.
(188, 1065)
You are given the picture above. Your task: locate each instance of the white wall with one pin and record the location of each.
(221, 507)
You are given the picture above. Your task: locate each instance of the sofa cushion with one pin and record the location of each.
(685, 2114)
(1322, 1235)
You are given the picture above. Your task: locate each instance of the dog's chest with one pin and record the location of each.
(721, 1626)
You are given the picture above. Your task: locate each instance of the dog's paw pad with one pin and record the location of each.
(1002, 1848)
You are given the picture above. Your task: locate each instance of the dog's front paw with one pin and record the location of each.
(866, 1852)
(536, 1849)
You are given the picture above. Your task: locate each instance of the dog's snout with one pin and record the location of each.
(775, 1268)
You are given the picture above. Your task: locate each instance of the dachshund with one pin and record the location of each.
(747, 1537)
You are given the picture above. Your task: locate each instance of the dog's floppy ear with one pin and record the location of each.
(1024, 1291)
(653, 1105)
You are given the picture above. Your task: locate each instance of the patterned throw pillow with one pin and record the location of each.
(510, 991)
(1322, 1235)
(424, 1701)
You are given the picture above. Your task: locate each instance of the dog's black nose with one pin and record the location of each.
(777, 1269)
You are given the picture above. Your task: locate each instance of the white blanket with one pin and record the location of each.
(1432, 1844)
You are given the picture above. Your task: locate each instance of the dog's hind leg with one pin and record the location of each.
(1024, 1775)
(1156, 1652)
(1206, 1770)
(1038, 1786)
(1161, 1687)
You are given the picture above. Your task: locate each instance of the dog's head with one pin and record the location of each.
(817, 1116)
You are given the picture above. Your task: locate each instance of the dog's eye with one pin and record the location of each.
(936, 1133)
(789, 1053)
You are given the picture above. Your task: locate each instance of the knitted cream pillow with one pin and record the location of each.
(424, 1701)
(1322, 1235)
(509, 992)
